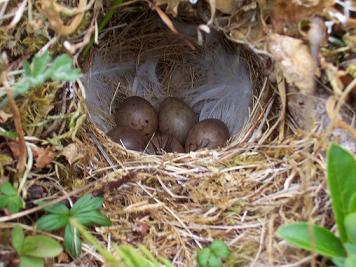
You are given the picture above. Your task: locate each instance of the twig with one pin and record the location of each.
(18, 125)
(89, 187)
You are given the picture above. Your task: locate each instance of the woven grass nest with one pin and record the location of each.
(271, 172)
(174, 204)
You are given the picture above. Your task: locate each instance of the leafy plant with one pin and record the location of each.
(126, 255)
(10, 199)
(42, 69)
(33, 249)
(213, 255)
(141, 257)
(341, 170)
(85, 211)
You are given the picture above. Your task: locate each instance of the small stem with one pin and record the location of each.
(104, 21)
(109, 258)
(18, 126)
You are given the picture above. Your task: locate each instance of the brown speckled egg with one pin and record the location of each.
(176, 118)
(128, 137)
(160, 143)
(209, 133)
(137, 113)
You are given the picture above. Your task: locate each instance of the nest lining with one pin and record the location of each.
(218, 80)
(177, 203)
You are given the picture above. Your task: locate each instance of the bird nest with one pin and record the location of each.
(176, 203)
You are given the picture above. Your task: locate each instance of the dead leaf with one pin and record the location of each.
(295, 61)
(350, 39)
(4, 116)
(71, 153)
(15, 149)
(227, 6)
(4, 160)
(285, 15)
(52, 10)
(63, 258)
(172, 6)
(44, 157)
(246, 26)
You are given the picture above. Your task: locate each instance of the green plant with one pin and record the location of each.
(103, 22)
(33, 249)
(42, 69)
(85, 211)
(125, 255)
(10, 199)
(341, 176)
(213, 255)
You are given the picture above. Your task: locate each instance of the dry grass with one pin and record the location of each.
(176, 204)
(271, 174)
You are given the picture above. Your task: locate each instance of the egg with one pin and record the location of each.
(160, 143)
(128, 137)
(137, 113)
(176, 118)
(209, 133)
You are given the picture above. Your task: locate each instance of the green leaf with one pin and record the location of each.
(59, 208)
(350, 261)
(350, 226)
(72, 242)
(41, 246)
(17, 239)
(10, 199)
(352, 204)
(7, 189)
(342, 184)
(52, 222)
(322, 241)
(132, 257)
(8, 134)
(31, 262)
(62, 70)
(215, 261)
(93, 217)
(27, 68)
(220, 249)
(15, 203)
(149, 256)
(350, 249)
(86, 203)
(339, 261)
(203, 257)
(3, 201)
(40, 63)
(21, 88)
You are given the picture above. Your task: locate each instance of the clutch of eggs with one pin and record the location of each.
(179, 130)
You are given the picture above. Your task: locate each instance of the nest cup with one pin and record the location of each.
(141, 56)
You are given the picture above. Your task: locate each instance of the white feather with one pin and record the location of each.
(146, 83)
(226, 95)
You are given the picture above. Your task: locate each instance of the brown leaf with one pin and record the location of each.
(172, 6)
(285, 15)
(63, 258)
(247, 26)
(71, 153)
(4, 116)
(44, 157)
(15, 149)
(53, 11)
(227, 6)
(295, 61)
(5, 160)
